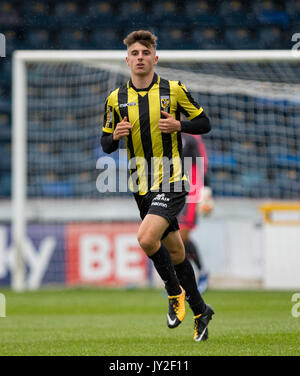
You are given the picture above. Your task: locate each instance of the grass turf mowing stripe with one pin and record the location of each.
(133, 322)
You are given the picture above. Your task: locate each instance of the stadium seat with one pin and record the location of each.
(83, 183)
(246, 153)
(5, 78)
(202, 14)
(4, 121)
(60, 189)
(171, 38)
(99, 153)
(293, 121)
(207, 38)
(270, 12)
(292, 8)
(288, 160)
(252, 179)
(133, 13)
(198, 8)
(286, 182)
(270, 38)
(37, 15)
(167, 13)
(68, 15)
(5, 129)
(274, 18)
(239, 38)
(294, 29)
(73, 39)
(10, 16)
(37, 39)
(5, 101)
(5, 160)
(222, 160)
(106, 39)
(223, 182)
(5, 184)
(259, 6)
(100, 14)
(235, 14)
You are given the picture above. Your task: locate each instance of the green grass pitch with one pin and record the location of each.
(133, 322)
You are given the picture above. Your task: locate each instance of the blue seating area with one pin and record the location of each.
(92, 16)
(102, 24)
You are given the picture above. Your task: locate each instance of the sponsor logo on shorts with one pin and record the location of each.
(160, 200)
(161, 197)
(159, 204)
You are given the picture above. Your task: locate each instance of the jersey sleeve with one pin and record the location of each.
(111, 117)
(186, 103)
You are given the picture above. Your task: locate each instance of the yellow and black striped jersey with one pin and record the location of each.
(146, 142)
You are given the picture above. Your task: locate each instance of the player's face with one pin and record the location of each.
(141, 59)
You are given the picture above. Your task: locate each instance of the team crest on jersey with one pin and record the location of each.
(109, 117)
(165, 103)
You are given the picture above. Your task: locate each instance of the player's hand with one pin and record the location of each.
(169, 124)
(122, 129)
(207, 204)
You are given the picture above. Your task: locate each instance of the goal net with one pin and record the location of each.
(252, 100)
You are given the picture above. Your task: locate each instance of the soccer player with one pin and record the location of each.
(146, 111)
(193, 148)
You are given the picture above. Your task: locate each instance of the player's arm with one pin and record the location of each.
(199, 125)
(198, 122)
(110, 141)
(108, 144)
(113, 129)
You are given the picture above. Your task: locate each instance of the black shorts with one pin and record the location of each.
(167, 205)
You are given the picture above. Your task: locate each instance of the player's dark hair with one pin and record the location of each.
(145, 37)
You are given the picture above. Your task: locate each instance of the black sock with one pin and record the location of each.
(192, 254)
(164, 266)
(186, 276)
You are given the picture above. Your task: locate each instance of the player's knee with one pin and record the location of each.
(184, 236)
(147, 243)
(177, 259)
(177, 255)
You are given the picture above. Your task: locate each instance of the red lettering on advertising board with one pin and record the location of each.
(105, 254)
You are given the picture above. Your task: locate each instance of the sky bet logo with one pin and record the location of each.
(2, 45)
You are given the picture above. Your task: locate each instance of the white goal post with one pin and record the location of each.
(21, 59)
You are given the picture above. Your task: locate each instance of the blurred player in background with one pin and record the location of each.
(193, 147)
(146, 111)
